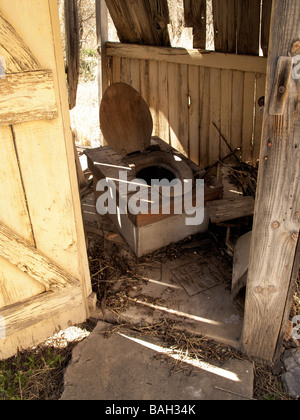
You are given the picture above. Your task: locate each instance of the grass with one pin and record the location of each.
(88, 65)
(27, 376)
(37, 374)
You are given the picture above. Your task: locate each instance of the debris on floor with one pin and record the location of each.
(142, 365)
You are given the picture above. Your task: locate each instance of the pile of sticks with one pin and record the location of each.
(242, 175)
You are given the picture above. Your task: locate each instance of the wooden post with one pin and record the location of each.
(102, 38)
(72, 49)
(277, 210)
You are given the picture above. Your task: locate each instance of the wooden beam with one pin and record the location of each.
(190, 57)
(277, 211)
(30, 261)
(230, 208)
(18, 317)
(17, 56)
(27, 97)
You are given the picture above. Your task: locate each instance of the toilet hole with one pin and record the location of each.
(155, 172)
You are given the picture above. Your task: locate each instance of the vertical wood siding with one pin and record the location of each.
(185, 100)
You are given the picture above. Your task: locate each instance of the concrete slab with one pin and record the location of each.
(211, 313)
(125, 366)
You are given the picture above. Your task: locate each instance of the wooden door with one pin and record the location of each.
(44, 275)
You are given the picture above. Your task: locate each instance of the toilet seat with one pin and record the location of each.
(161, 158)
(125, 119)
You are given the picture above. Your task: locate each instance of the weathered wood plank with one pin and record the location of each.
(13, 206)
(224, 15)
(265, 25)
(163, 102)
(194, 114)
(116, 70)
(72, 49)
(153, 94)
(173, 92)
(18, 57)
(178, 107)
(230, 208)
(121, 19)
(195, 16)
(214, 116)
(248, 116)
(135, 75)
(277, 221)
(15, 91)
(140, 22)
(259, 93)
(145, 81)
(16, 286)
(183, 133)
(248, 27)
(22, 315)
(237, 109)
(205, 95)
(102, 38)
(226, 102)
(29, 260)
(125, 71)
(191, 57)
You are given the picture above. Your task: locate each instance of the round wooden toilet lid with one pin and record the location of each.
(125, 119)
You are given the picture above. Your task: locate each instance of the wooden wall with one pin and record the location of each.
(239, 25)
(187, 91)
